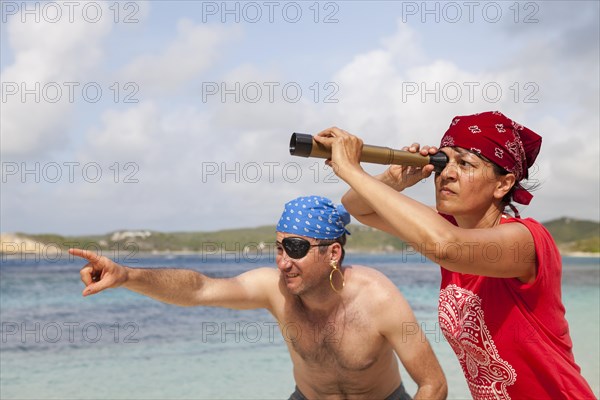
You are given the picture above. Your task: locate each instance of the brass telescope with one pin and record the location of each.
(304, 145)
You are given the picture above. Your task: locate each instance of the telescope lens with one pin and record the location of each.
(301, 144)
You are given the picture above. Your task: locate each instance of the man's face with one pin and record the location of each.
(301, 275)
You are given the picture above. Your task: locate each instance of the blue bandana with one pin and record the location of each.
(314, 216)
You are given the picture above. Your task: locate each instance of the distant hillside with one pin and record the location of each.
(570, 230)
(362, 239)
(571, 236)
(148, 241)
(575, 235)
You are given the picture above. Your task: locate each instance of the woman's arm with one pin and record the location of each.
(489, 252)
(397, 177)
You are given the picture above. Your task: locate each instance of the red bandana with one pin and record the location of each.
(501, 140)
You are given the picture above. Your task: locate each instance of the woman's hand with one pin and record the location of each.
(345, 151)
(401, 177)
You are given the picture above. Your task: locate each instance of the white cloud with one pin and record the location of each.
(48, 56)
(394, 105)
(239, 137)
(198, 159)
(193, 51)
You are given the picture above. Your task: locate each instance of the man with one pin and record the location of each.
(350, 320)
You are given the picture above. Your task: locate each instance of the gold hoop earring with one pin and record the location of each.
(334, 265)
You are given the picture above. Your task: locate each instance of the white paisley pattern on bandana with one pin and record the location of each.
(474, 129)
(462, 322)
(516, 149)
(447, 141)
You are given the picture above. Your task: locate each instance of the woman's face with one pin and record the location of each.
(467, 185)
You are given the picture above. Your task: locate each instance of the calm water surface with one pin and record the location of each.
(120, 345)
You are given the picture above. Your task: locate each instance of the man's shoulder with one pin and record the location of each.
(264, 277)
(266, 272)
(364, 272)
(377, 296)
(372, 283)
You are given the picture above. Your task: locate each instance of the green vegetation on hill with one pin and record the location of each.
(366, 239)
(362, 238)
(571, 230)
(232, 239)
(590, 245)
(570, 235)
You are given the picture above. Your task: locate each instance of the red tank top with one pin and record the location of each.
(511, 338)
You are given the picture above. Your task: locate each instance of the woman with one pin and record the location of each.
(500, 302)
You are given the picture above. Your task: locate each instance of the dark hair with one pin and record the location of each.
(341, 240)
(499, 171)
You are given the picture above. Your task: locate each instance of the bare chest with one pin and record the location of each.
(344, 341)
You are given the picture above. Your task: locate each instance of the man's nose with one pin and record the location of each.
(284, 262)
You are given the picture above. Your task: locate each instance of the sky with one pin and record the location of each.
(176, 116)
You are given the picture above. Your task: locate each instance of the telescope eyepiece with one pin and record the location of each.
(439, 161)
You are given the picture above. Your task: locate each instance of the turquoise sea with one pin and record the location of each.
(56, 344)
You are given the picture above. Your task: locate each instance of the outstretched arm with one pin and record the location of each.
(181, 287)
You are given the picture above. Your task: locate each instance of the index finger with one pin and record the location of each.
(414, 147)
(88, 255)
(331, 132)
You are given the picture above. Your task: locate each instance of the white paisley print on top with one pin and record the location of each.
(462, 322)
